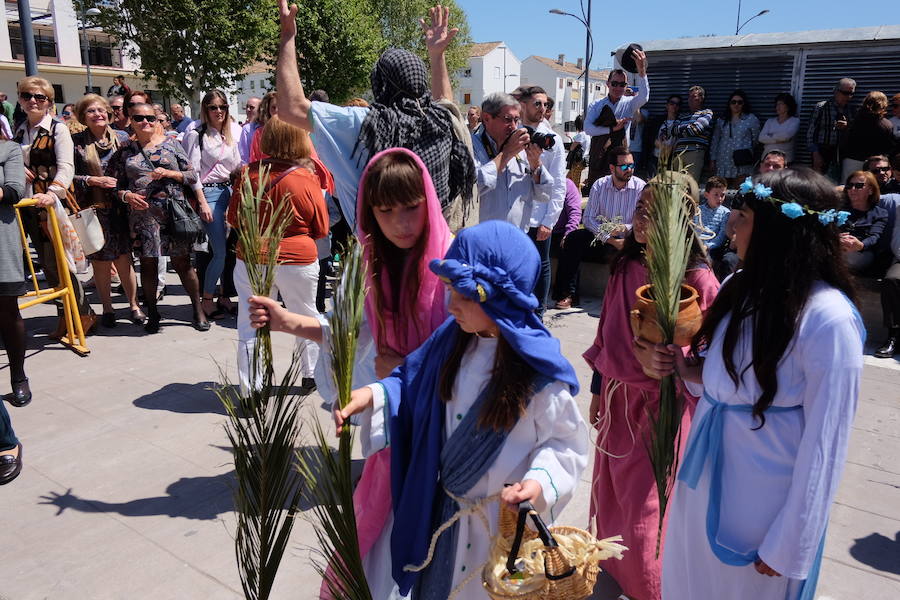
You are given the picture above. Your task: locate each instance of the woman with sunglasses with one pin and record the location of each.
(737, 131)
(94, 148)
(153, 170)
(49, 167)
(867, 221)
(213, 151)
(133, 98)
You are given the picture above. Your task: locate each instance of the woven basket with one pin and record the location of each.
(560, 579)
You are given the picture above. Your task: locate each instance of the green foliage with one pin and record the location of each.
(400, 26)
(669, 239)
(263, 425)
(192, 46)
(338, 42)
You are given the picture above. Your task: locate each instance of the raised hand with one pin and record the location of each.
(287, 15)
(438, 34)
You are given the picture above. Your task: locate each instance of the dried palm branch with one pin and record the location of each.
(328, 481)
(669, 239)
(263, 425)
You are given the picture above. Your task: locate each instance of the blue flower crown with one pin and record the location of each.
(791, 209)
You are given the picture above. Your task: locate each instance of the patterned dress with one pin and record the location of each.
(112, 214)
(733, 135)
(132, 167)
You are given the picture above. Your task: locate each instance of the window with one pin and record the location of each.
(58, 93)
(44, 43)
(599, 87)
(574, 105)
(560, 83)
(569, 82)
(467, 73)
(467, 98)
(496, 72)
(252, 84)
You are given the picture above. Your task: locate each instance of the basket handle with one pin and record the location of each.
(526, 509)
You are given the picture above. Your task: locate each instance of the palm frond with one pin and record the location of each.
(669, 239)
(263, 425)
(328, 482)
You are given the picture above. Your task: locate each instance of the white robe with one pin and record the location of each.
(778, 482)
(548, 444)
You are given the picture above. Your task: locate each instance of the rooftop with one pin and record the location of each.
(791, 38)
(570, 68)
(482, 48)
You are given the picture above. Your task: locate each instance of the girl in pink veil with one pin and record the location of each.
(401, 229)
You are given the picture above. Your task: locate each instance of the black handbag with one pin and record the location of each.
(743, 157)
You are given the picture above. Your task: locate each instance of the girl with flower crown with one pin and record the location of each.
(779, 359)
(401, 229)
(486, 401)
(624, 400)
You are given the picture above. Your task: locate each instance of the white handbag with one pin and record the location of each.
(89, 230)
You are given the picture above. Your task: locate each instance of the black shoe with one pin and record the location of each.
(161, 294)
(889, 349)
(20, 395)
(307, 386)
(10, 466)
(108, 320)
(200, 325)
(138, 317)
(152, 324)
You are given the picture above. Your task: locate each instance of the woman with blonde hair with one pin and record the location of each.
(94, 147)
(870, 133)
(49, 168)
(298, 180)
(213, 151)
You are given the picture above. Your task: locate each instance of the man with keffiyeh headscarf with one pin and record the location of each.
(405, 114)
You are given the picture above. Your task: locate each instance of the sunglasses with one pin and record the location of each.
(221, 107)
(737, 102)
(856, 185)
(140, 118)
(116, 108)
(846, 93)
(673, 103)
(880, 169)
(66, 113)
(620, 84)
(627, 166)
(39, 97)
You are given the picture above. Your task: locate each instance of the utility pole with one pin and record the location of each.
(27, 38)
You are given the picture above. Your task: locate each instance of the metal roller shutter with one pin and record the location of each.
(873, 69)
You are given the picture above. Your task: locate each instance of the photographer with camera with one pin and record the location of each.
(508, 166)
(534, 102)
(608, 120)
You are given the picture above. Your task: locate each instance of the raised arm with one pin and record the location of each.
(293, 105)
(438, 36)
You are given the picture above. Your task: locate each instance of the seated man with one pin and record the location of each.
(607, 219)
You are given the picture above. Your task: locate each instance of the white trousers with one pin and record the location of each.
(297, 286)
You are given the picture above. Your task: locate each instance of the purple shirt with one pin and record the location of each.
(570, 217)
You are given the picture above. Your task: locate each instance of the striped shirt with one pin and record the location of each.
(605, 202)
(694, 130)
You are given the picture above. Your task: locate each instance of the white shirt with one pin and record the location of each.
(780, 136)
(546, 212)
(510, 194)
(62, 147)
(217, 160)
(624, 108)
(585, 141)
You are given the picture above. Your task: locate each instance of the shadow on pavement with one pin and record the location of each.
(879, 552)
(186, 398)
(200, 498)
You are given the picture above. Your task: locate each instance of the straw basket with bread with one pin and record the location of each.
(544, 563)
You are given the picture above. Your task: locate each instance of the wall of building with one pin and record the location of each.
(487, 75)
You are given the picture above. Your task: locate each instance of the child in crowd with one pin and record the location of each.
(624, 499)
(714, 217)
(783, 359)
(486, 401)
(402, 230)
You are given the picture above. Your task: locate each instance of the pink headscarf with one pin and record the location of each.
(428, 311)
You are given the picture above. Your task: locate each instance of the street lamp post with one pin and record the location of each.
(85, 47)
(588, 46)
(738, 25)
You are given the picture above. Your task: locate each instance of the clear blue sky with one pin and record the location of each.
(529, 29)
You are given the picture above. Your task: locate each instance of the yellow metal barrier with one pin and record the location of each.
(74, 335)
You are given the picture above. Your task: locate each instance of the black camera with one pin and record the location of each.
(544, 141)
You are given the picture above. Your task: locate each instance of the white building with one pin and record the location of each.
(564, 82)
(256, 80)
(57, 38)
(492, 67)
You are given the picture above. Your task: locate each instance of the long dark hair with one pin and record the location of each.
(784, 258)
(394, 180)
(512, 383)
(745, 110)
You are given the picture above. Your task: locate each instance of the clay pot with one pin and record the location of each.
(645, 325)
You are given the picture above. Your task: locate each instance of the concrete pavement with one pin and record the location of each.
(126, 491)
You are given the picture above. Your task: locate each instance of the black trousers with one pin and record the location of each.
(576, 246)
(890, 296)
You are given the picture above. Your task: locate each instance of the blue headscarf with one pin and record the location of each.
(497, 265)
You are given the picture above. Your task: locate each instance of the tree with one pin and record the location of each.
(191, 46)
(399, 20)
(338, 43)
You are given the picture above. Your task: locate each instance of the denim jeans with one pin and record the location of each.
(217, 198)
(8, 439)
(542, 286)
